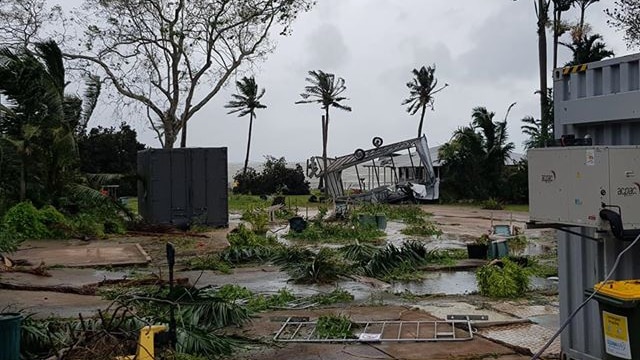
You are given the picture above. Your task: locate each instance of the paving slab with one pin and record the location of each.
(64, 254)
(72, 277)
(524, 310)
(441, 309)
(530, 337)
(44, 304)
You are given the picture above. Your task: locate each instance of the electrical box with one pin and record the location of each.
(568, 185)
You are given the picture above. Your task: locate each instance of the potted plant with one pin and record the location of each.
(479, 248)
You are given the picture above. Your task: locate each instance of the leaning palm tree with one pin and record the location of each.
(326, 90)
(422, 88)
(245, 103)
(496, 149)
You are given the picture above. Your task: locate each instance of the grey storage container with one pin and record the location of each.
(600, 100)
(183, 186)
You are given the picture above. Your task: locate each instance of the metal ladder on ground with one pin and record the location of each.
(455, 328)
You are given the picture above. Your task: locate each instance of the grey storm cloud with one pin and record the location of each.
(326, 47)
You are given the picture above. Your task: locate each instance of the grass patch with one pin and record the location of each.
(336, 296)
(240, 203)
(410, 214)
(334, 327)
(424, 229)
(337, 232)
(208, 262)
(447, 257)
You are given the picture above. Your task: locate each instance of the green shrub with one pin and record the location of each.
(492, 204)
(275, 177)
(23, 221)
(258, 218)
(507, 281)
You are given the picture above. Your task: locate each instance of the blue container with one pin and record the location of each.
(498, 249)
(10, 336)
(367, 221)
(381, 222)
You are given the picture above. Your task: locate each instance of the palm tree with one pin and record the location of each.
(539, 133)
(583, 5)
(245, 103)
(559, 27)
(588, 48)
(39, 121)
(324, 89)
(476, 155)
(421, 90)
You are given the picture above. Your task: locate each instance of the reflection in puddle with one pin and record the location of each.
(455, 283)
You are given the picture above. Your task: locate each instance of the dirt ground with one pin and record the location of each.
(461, 223)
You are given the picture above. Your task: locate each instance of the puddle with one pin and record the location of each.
(455, 283)
(269, 281)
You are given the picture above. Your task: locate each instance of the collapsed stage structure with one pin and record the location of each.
(409, 179)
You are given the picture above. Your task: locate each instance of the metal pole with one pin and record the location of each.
(413, 167)
(171, 260)
(375, 169)
(358, 175)
(393, 169)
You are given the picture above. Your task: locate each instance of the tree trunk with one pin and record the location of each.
(325, 136)
(583, 9)
(543, 17)
(246, 159)
(424, 108)
(557, 18)
(183, 140)
(169, 139)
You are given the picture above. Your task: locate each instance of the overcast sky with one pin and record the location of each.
(486, 50)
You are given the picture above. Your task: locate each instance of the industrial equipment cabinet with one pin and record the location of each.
(600, 100)
(183, 186)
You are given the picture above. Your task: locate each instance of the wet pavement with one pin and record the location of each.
(43, 304)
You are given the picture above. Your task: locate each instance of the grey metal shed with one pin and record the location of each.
(183, 186)
(600, 100)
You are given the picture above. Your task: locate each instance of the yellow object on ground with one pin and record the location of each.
(146, 350)
(622, 290)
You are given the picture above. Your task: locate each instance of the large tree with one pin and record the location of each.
(324, 89)
(245, 103)
(625, 16)
(422, 88)
(23, 22)
(173, 56)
